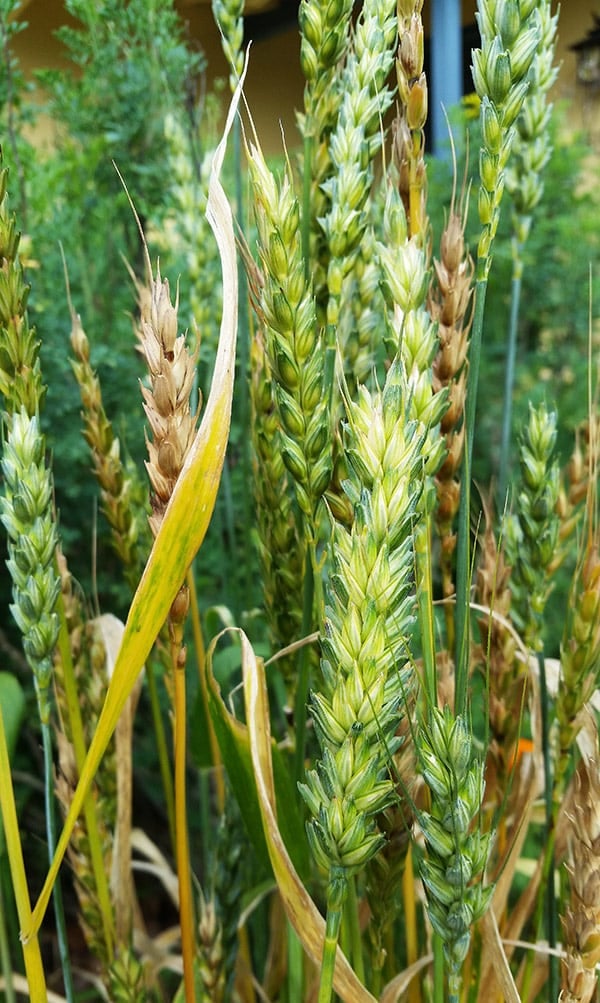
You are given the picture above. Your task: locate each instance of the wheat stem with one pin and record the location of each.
(295, 961)
(186, 907)
(200, 657)
(438, 969)
(303, 684)
(463, 551)
(336, 896)
(354, 932)
(410, 918)
(50, 812)
(509, 374)
(162, 752)
(89, 808)
(424, 590)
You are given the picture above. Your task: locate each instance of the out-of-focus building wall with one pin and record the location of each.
(274, 85)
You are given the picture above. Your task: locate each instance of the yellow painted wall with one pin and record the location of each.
(576, 21)
(274, 84)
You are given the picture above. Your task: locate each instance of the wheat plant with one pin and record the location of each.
(397, 780)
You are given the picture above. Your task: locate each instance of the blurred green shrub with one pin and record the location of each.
(129, 66)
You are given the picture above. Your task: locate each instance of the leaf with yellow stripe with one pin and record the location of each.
(184, 524)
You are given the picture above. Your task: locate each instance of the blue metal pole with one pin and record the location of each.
(446, 67)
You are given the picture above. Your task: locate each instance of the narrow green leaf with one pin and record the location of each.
(199, 741)
(234, 744)
(235, 751)
(12, 706)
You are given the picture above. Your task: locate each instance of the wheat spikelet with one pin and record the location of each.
(582, 920)
(324, 41)
(457, 851)
(126, 982)
(575, 485)
(279, 539)
(409, 137)
(26, 512)
(229, 15)
(294, 343)
(120, 489)
(21, 383)
(88, 655)
(185, 231)
(579, 656)
(231, 872)
(532, 147)
(385, 871)
(411, 333)
(171, 368)
(449, 302)
(532, 531)
(369, 610)
(357, 136)
(361, 328)
(210, 960)
(498, 656)
(510, 36)
(89, 914)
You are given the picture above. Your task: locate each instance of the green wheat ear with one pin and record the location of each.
(582, 917)
(294, 342)
(457, 851)
(20, 372)
(369, 613)
(26, 509)
(510, 36)
(229, 15)
(324, 42)
(354, 142)
(532, 147)
(280, 544)
(579, 657)
(532, 531)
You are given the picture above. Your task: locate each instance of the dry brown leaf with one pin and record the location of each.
(400, 983)
(494, 949)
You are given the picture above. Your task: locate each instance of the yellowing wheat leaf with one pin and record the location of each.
(185, 521)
